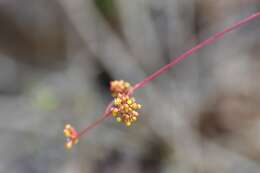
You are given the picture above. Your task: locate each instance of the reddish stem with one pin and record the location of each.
(91, 126)
(193, 50)
(98, 121)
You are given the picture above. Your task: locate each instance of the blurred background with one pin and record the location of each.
(58, 56)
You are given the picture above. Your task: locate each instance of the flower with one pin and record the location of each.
(71, 136)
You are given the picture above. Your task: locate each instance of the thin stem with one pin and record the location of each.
(91, 126)
(193, 50)
(98, 121)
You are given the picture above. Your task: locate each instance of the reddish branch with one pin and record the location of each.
(163, 69)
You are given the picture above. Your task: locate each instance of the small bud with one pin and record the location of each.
(129, 102)
(68, 145)
(128, 124)
(118, 119)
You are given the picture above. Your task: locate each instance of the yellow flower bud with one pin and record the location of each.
(118, 119)
(66, 133)
(128, 123)
(68, 145)
(129, 102)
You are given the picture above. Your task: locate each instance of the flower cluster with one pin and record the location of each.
(71, 136)
(119, 86)
(124, 108)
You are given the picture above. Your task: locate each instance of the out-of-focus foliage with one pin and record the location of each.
(107, 7)
(44, 99)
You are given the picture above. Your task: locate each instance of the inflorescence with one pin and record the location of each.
(124, 108)
(71, 136)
